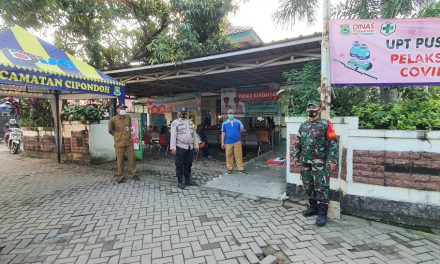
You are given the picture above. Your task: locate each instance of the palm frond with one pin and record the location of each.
(291, 11)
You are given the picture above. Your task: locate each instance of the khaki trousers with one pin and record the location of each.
(234, 151)
(120, 152)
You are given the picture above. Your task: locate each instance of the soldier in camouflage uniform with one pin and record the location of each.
(316, 153)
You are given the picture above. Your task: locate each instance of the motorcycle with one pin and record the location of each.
(14, 141)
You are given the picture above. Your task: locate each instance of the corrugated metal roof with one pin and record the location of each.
(260, 65)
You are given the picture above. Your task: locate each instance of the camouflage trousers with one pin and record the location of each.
(316, 181)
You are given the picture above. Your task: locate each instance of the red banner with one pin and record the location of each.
(252, 96)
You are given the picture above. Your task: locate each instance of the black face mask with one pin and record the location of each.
(312, 112)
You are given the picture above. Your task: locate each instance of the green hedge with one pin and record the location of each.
(410, 108)
(408, 114)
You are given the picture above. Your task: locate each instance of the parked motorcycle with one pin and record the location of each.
(14, 140)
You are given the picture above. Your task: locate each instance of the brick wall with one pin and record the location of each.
(413, 170)
(343, 164)
(76, 147)
(39, 142)
(384, 174)
(293, 169)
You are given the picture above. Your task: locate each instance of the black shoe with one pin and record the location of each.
(242, 172)
(322, 215)
(311, 211)
(122, 180)
(181, 185)
(313, 208)
(229, 171)
(136, 178)
(191, 183)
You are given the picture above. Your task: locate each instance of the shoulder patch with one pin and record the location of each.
(330, 133)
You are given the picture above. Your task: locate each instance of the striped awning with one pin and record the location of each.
(29, 61)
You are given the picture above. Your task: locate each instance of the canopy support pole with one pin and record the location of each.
(57, 103)
(55, 106)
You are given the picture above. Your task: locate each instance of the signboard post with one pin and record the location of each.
(325, 64)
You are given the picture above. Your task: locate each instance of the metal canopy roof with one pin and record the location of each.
(247, 67)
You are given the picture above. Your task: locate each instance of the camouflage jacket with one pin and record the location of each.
(316, 143)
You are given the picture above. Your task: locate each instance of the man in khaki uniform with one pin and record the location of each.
(183, 141)
(120, 128)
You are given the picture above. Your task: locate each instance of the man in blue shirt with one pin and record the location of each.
(231, 141)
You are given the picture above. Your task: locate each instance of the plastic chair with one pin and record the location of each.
(147, 141)
(262, 138)
(163, 143)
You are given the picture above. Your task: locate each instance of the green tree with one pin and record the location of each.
(302, 86)
(370, 9)
(432, 10)
(111, 34)
(199, 30)
(291, 11)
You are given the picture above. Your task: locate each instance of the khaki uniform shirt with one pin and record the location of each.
(183, 135)
(120, 128)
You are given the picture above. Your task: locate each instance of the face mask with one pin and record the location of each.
(312, 112)
(122, 112)
(230, 116)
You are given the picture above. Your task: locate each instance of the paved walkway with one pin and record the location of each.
(260, 178)
(52, 213)
(162, 167)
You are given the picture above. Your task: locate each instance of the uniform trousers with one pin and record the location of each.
(120, 152)
(316, 181)
(184, 159)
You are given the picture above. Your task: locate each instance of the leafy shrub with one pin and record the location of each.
(345, 98)
(32, 112)
(415, 110)
(82, 113)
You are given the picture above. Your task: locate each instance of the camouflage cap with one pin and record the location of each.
(312, 102)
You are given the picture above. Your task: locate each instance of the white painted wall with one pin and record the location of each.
(353, 138)
(101, 143)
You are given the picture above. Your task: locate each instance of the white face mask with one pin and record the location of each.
(122, 112)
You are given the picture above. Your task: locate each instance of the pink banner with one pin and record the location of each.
(135, 133)
(385, 51)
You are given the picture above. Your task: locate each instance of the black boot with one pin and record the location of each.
(180, 183)
(312, 210)
(322, 215)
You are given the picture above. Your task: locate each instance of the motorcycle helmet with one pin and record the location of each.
(12, 121)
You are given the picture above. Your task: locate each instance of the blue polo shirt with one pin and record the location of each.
(232, 131)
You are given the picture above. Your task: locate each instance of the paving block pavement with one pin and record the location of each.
(52, 213)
